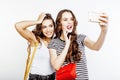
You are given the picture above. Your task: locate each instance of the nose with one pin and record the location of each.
(48, 28)
(69, 21)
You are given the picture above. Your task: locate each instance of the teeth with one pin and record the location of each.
(49, 33)
(69, 27)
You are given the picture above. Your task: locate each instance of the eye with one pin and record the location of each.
(43, 27)
(72, 19)
(51, 25)
(65, 19)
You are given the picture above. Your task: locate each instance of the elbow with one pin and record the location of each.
(16, 26)
(96, 49)
(56, 68)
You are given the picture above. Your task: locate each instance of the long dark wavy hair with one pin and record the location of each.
(38, 30)
(74, 53)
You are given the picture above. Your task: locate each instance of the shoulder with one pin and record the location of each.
(54, 40)
(81, 37)
(53, 43)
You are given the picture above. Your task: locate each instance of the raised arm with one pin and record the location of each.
(98, 44)
(57, 61)
(22, 26)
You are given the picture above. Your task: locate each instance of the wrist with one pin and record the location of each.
(104, 31)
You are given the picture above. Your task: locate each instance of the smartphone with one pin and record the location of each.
(94, 16)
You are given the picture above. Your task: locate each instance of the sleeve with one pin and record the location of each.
(81, 38)
(52, 44)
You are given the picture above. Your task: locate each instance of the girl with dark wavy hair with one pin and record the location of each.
(68, 46)
(41, 68)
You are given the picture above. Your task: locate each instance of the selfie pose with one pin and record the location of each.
(40, 68)
(69, 47)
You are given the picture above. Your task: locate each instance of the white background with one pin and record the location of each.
(102, 65)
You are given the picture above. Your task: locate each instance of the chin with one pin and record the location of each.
(69, 31)
(49, 36)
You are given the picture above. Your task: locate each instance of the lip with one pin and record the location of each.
(69, 27)
(49, 33)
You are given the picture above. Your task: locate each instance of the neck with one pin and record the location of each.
(46, 41)
(62, 37)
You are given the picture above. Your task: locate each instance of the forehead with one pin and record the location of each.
(67, 15)
(47, 22)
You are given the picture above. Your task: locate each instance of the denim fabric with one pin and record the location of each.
(41, 77)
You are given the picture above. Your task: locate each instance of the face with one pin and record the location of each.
(48, 28)
(67, 22)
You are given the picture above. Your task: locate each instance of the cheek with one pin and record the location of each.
(64, 27)
(52, 29)
(63, 24)
(43, 31)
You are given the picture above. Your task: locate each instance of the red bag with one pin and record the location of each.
(67, 72)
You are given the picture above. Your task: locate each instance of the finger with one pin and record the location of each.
(66, 35)
(104, 20)
(103, 23)
(41, 16)
(104, 15)
(70, 37)
(65, 32)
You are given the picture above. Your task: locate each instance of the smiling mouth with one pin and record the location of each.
(69, 27)
(49, 33)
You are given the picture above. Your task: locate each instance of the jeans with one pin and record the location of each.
(41, 77)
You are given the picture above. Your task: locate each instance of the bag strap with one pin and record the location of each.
(29, 60)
